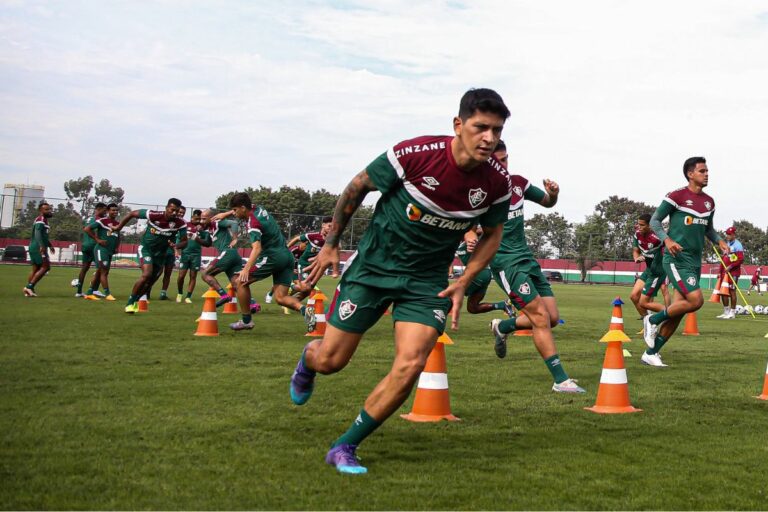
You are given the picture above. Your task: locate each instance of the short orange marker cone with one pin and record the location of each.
(764, 396)
(208, 324)
(691, 325)
(725, 287)
(230, 308)
(143, 304)
(318, 306)
(617, 318)
(613, 393)
(444, 338)
(715, 297)
(432, 402)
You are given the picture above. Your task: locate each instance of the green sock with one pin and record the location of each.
(556, 368)
(247, 319)
(30, 286)
(163, 293)
(96, 286)
(302, 309)
(181, 289)
(362, 427)
(659, 317)
(89, 292)
(222, 291)
(132, 299)
(79, 287)
(189, 295)
(657, 344)
(106, 291)
(498, 306)
(508, 325)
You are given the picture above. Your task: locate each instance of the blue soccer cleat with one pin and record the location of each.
(302, 382)
(344, 458)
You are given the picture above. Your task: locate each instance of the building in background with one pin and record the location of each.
(15, 198)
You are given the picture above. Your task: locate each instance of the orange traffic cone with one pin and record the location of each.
(208, 324)
(617, 318)
(230, 308)
(691, 325)
(715, 297)
(444, 338)
(725, 287)
(432, 402)
(613, 393)
(316, 303)
(143, 304)
(764, 396)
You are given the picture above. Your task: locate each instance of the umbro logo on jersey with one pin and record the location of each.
(688, 202)
(517, 190)
(477, 196)
(347, 309)
(524, 289)
(430, 182)
(439, 315)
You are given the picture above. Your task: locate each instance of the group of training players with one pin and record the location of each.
(436, 192)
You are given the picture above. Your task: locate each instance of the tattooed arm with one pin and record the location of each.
(349, 201)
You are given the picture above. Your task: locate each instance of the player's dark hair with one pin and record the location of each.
(646, 217)
(197, 212)
(240, 199)
(100, 205)
(112, 205)
(41, 204)
(690, 164)
(327, 219)
(484, 100)
(500, 146)
(175, 202)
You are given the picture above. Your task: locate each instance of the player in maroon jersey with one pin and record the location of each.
(756, 279)
(647, 249)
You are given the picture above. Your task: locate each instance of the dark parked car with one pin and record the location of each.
(553, 275)
(15, 253)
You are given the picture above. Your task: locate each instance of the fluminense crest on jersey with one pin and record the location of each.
(691, 281)
(707, 205)
(430, 182)
(517, 190)
(347, 309)
(477, 196)
(525, 289)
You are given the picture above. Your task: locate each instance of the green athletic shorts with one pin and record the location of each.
(190, 262)
(148, 256)
(522, 281)
(170, 258)
(36, 258)
(229, 262)
(103, 257)
(277, 263)
(683, 277)
(479, 284)
(88, 253)
(653, 282)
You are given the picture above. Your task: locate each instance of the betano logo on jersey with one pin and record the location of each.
(695, 220)
(415, 214)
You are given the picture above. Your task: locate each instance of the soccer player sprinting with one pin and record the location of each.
(733, 262)
(434, 188)
(170, 262)
(106, 240)
(39, 247)
(691, 214)
(313, 241)
(224, 234)
(269, 257)
(87, 250)
(192, 255)
(162, 228)
(755, 282)
(517, 272)
(477, 289)
(646, 247)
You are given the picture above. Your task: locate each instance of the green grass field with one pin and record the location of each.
(102, 410)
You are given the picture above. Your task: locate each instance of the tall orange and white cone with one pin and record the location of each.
(715, 297)
(316, 302)
(764, 396)
(230, 308)
(617, 317)
(691, 325)
(432, 402)
(143, 304)
(208, 324)
(613, 393)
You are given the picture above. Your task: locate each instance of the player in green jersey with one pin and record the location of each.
(87, 248)
(190, 258)
(518, 273)
(313, 242)
(170, 262)
(224, 234)
(39, 247)
(691, 213)
(476, 291)
(162, 227)
(106, 242)
(646, 248)
(269, 257)
(433, 189)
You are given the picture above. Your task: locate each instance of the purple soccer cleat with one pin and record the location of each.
(344, 458)
(255, 307)
(223, 300)
(302, 381)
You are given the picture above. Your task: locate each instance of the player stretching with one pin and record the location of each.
(106, 240)
(518, 273)
(38, 248)
(756, 281)
(162, 228)
(433, 189)
(87, 250)
(733, 261)
(192, 255)
(691, 214)
(479, 286)
(269, 257)
(647, 248)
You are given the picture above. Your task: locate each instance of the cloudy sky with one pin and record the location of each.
(196, 98)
